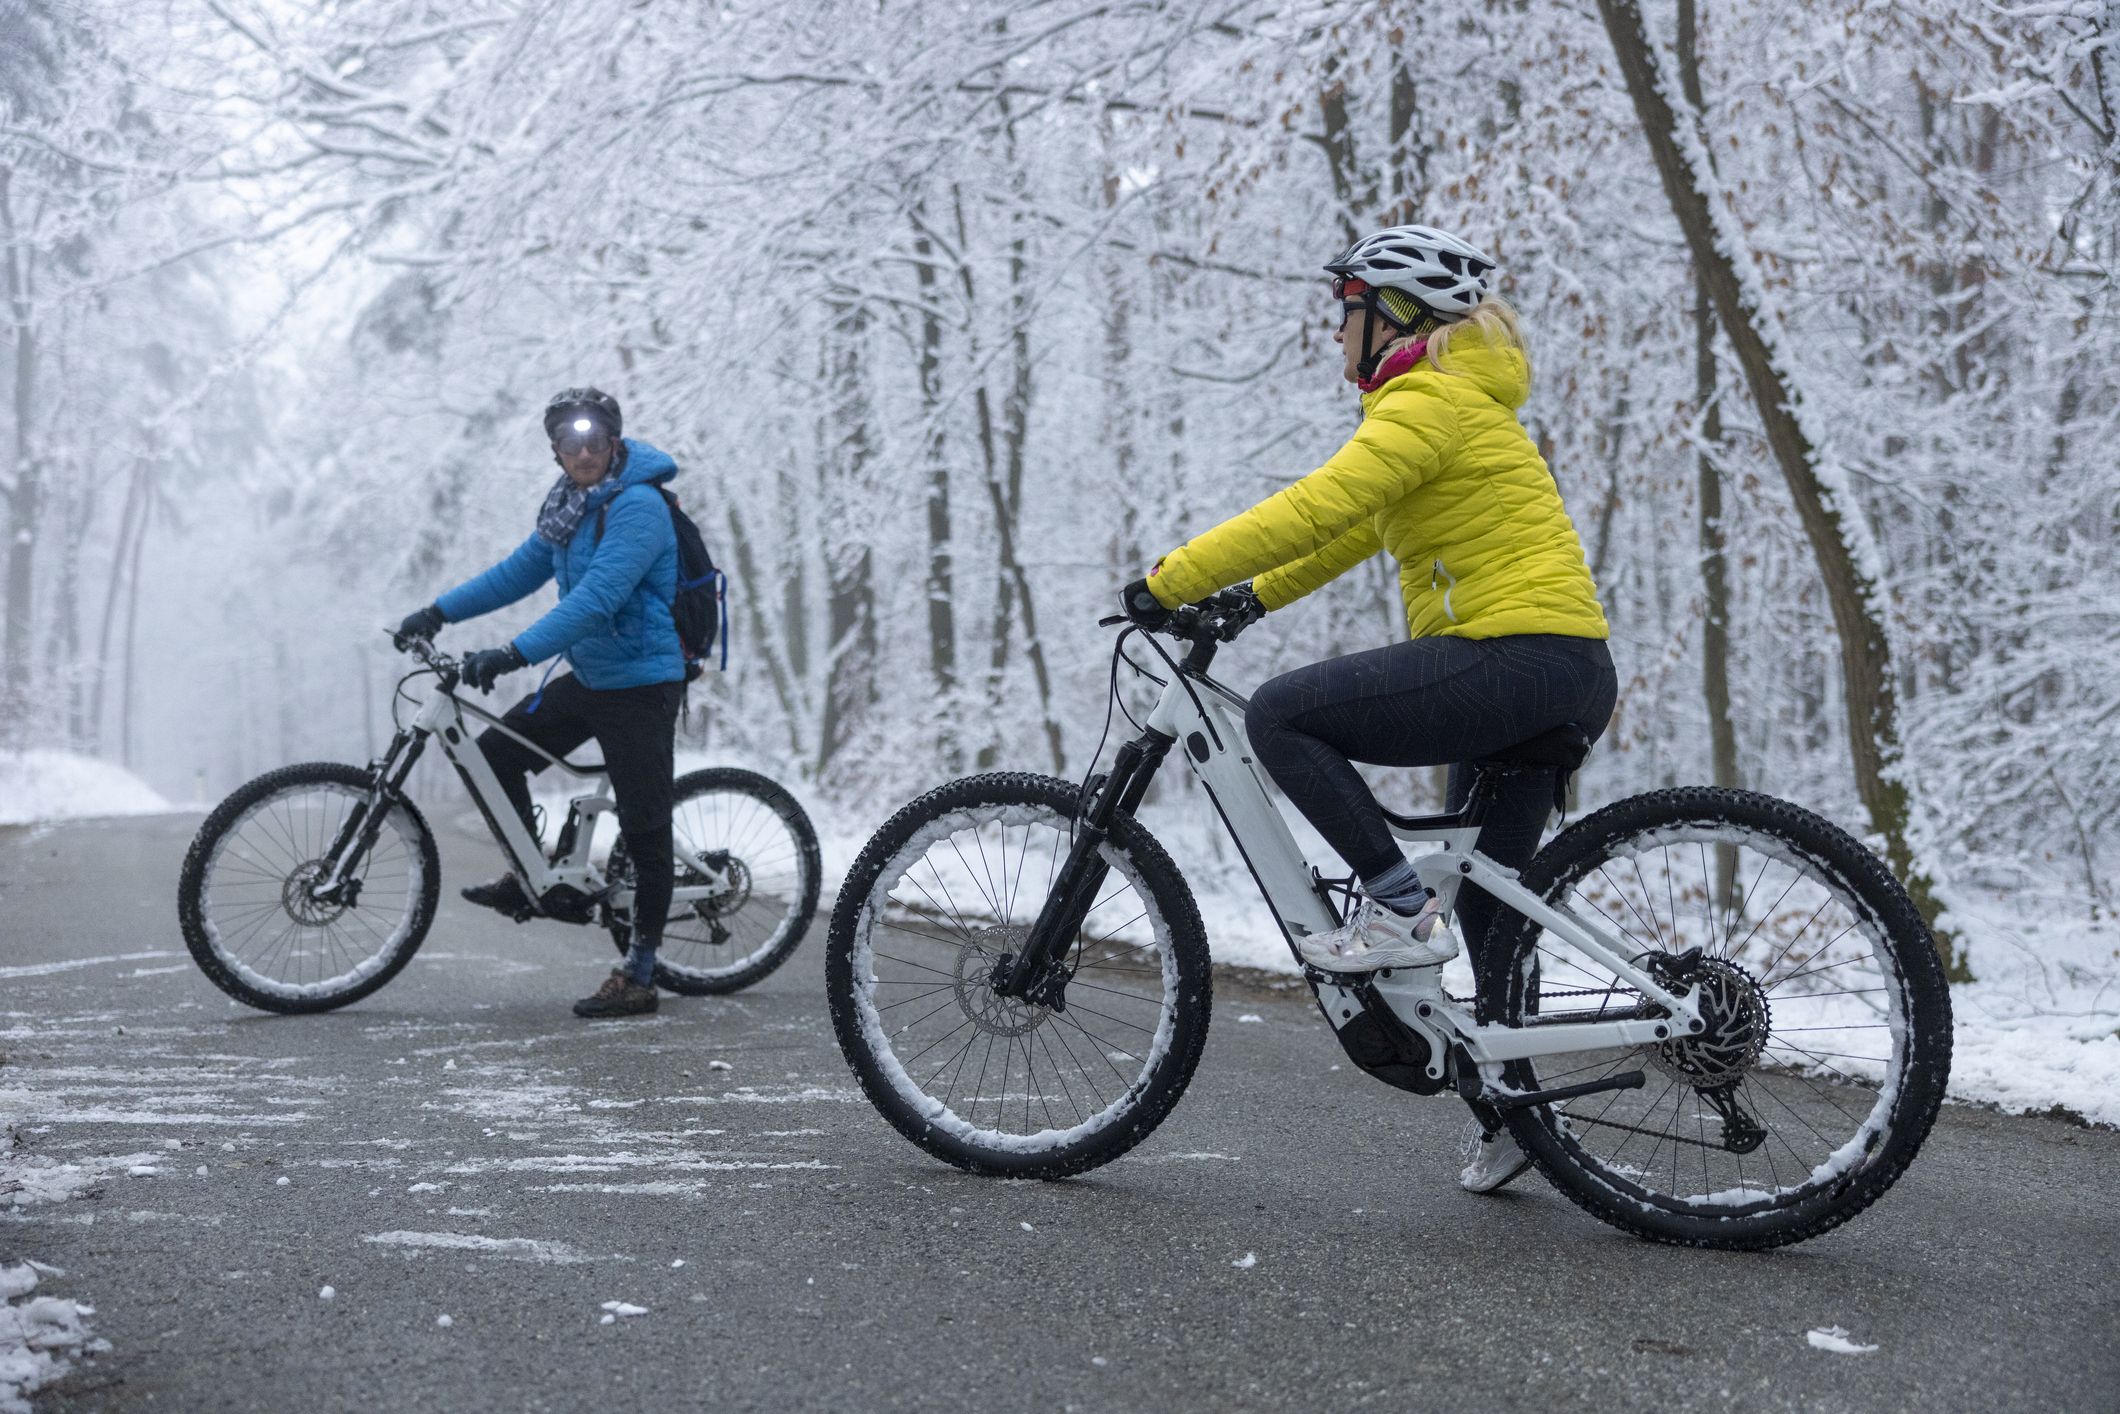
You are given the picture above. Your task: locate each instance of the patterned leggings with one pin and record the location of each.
(1428, 702)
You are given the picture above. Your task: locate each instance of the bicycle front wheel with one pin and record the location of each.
(1828, 1039)
(951, 884)
(248, 902)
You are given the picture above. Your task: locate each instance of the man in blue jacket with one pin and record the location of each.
(605, 535)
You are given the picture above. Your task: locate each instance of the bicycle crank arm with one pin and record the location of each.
(1525, 1099)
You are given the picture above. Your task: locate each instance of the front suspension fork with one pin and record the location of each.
(358, 835)
(1039, 973)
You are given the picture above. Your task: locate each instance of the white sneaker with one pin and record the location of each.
(1489, 1163)
(1376, 937)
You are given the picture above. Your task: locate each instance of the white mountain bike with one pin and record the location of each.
(313, 885)
(1710, 1017)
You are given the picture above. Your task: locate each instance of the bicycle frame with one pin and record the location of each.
(567, 886)
(1208, 719)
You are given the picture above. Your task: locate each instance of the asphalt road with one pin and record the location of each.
(459, 1145)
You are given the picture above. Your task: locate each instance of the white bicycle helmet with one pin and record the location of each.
(1444, 275)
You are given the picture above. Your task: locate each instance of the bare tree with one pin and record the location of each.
(1832, 519)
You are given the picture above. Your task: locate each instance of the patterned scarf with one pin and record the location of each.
(565, 505)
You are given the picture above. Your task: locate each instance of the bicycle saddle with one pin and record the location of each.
(1561, 749)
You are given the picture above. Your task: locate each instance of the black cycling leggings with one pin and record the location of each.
(1428, 702)
(636, 728)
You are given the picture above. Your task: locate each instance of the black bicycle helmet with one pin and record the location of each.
(590, 402)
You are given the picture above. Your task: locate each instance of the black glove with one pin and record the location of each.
(1140, 604)
(420, 623)
(1239, 608)
(483, 668)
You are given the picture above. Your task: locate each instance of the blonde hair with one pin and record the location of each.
(1497, 324)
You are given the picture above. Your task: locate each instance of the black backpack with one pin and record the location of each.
(700, 607)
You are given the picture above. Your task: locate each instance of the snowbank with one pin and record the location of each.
(2041, 1025)
(60, 785)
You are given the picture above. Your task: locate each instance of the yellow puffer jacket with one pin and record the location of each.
(1442, 475)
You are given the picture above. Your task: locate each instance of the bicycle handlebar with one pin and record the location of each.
(1211, 620)
(444, 667)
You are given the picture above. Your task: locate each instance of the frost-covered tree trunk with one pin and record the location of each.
(1714, 542)
(850, 613)
(941, 588)
(1847, 556)
(124, 560)
(25, 500)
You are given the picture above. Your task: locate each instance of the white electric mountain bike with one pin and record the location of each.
(313, 885)
(1709, 1016)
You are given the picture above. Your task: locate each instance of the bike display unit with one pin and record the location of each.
(313, 885)
(1709, 1016)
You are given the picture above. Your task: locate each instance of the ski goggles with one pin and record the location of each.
(581, 434)
(1345, 285)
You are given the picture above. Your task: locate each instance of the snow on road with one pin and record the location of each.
(176, 1112)
(1835, 1340)
(41, 1335)
(38, 1335)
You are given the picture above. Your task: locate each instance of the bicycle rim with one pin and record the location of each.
(1803, 1073)
(767, 865)
(994, 1073)
(262, 924)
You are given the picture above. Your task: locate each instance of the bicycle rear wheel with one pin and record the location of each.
(757, 835)
(1829, 1020)
(951, 884)
(247, 902)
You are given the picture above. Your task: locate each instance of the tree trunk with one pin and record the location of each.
(1004, 483)
(25, 499)
(764, 642)
(1121, 414)
(1016, 436)
(132, 645)
(1714, 560)
(941, 593)
(1830, 518)
(1409, 146)
(131, 520)
(1715, 584)
(1340, 151)
(1615, 440)
(850, 601)
(63, 649)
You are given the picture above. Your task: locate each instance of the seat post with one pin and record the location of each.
(1481, 795)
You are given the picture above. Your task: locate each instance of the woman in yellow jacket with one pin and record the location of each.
(1507, 639)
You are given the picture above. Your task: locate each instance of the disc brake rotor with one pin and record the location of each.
(735, 891)
(991, 1012)
(1737, 1020)
(297, 896)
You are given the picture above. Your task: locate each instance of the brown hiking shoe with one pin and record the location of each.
(619, 996)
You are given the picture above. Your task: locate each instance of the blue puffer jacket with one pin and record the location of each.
(613, 617)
